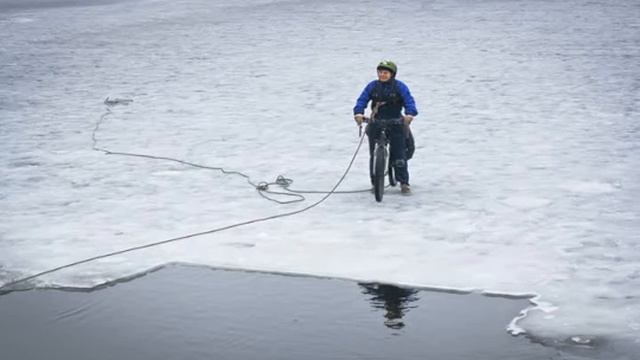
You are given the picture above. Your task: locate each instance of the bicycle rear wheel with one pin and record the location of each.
(379, 171)
(392, 177)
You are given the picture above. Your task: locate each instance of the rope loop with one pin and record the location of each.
(283, 181)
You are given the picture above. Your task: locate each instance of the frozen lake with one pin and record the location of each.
(525, 178)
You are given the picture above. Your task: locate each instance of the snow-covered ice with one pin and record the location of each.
(526, 176)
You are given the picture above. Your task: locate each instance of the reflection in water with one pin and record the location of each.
(395, 300)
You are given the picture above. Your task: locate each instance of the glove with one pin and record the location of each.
(359, 118)
(408, 119)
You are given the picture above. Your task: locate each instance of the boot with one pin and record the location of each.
(405, 189)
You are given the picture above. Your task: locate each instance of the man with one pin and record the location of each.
(388, 96)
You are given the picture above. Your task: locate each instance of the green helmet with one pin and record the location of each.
(388, 65)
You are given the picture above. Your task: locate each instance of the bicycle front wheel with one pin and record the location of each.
(380, 166)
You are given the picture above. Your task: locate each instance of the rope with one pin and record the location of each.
(280, 181)
(263, 187)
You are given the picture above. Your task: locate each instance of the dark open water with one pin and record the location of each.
(187, 312)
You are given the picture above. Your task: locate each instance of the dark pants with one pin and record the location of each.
(397, 135)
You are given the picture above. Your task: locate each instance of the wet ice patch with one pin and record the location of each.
(525, 202)
(590, 187)
(240, 245)
(21, 20)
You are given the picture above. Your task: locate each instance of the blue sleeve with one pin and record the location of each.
(363, 99)
(409, 102)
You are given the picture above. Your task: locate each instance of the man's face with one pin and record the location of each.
(384, 75)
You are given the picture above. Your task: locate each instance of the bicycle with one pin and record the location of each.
(379, 164)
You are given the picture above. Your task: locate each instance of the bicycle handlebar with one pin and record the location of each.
(399, 120)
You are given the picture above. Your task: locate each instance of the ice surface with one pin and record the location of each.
(525, 178)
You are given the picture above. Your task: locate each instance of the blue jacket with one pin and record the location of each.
(394, 93)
